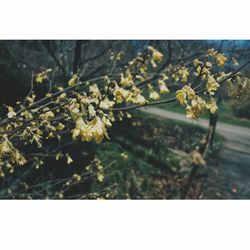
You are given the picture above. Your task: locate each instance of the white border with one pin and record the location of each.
(124, 225)
(120, 19)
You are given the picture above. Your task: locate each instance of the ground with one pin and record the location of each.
(232, 177)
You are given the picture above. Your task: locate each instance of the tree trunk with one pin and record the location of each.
(203, 151)
(77, 56)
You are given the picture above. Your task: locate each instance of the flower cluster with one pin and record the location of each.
(193, 103)
(42, 76)
(219, 57)
(95, 129)
(156, 56)
(97, 168)
(7, 149)
(212, 85)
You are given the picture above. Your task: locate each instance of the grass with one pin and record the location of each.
(225, 113)
(152, 170)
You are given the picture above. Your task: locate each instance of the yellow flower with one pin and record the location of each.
(203, 70)
(183, 72)
(60, 195)
(4, 147)
(106, 121)
(7, 148)
(189, 91)
(75, 133)
(128, 115)
(91, 110)
(80, 127)
(128, 80)
(124, 156)
(100, 177)
(198, 103)
(121, 94)
(106, 103)
(211, 85)
(221, 59)
(40, 77)
(94, 90)
(60, 126)
(59, 155)
(163, 88)
(191, 113)
(18, 158)
(139, 99)
(69, 159)
(157, 56)
(211, 105)
(77, 177)
(154, 95)
(211, 52)
(85, 131)
(95, 129)
(2, 175)
(73, 81)
(196, 62)
(47, 116)
(143, 69)
(11, 112)
(181, 96)
(196, 108)
(98, 129)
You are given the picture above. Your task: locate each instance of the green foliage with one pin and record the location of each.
(242, 110)
(157, 160)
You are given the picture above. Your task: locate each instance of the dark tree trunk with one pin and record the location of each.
(77, 56)
(203, 151)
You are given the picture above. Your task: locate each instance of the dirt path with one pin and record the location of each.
(234, 171)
